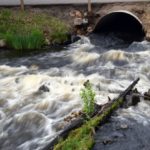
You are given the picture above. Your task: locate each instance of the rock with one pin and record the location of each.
(75, 38)
(138, 11)
(147, 95)
(44, 88)
(71, 39)
(89, 29)
(78, 14)
(72, 13)
(85, 21)
(47, 41)
(85, 14)
(2, 43)
(148, 36)
(124, 126)
(34, 67)
(135, 99)
(58, 126)
(78, 21)
(108, 141)
(117, 135)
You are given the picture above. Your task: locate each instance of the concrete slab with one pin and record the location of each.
(50, 2)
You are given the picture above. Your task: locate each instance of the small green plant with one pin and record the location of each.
(88, 96)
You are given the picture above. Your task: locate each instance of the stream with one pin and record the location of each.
(37, 92)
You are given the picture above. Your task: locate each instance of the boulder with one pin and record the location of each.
(72, 13)
(78, 22)
(2, 43)
(147, 95)
(44, 88)
(78, 14)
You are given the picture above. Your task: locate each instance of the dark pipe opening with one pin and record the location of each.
(123, 25)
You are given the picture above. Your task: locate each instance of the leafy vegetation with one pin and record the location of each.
(88, 96)
(30, 29)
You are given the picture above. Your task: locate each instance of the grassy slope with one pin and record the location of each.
(24, 25)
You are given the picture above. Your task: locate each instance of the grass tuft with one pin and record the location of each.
(30, 41)
(30, 29)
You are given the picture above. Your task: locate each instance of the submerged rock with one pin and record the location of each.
(44, 88)
(2, 43)
(147, 95)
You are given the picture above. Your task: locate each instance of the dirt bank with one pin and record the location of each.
(65, 12)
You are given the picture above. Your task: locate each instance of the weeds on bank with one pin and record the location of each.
(30, 41)
(30, 30)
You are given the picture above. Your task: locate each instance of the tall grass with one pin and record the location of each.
(29, 30)
(30, 41)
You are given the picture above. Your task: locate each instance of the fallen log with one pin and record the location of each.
(100, 115)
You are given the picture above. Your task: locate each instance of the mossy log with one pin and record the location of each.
(101, 114)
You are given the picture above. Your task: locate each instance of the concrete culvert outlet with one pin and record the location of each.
(123, 23)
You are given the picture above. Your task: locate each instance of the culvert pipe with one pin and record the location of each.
(123, 23)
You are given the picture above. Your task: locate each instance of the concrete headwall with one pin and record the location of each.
(140, 10)
(121, 21)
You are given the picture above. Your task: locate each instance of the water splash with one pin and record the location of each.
(31, 117)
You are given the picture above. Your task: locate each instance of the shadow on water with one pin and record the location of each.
(122, 135)
(108, 41)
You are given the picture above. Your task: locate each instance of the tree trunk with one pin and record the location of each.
(22, 5)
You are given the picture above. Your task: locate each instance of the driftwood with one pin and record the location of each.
(99, 110)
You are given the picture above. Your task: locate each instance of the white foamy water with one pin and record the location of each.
(31, 116)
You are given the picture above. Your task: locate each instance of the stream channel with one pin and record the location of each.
(38, 91)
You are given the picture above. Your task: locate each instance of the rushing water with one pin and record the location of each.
(38, 92)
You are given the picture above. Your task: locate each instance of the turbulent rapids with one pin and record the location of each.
(38, 92)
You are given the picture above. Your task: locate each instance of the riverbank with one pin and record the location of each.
(71, 19)
(66, 13)
(39, 91)
(31, 29)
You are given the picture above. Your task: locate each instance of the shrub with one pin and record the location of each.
(88, 96)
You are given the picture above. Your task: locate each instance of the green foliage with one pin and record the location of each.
(30, 41)
(58, 36)
(28, 29)
(58, 31)
(88, 96)
(82, 138)
(5, 14)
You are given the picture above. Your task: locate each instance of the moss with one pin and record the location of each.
(21, 26)
(83, 137)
